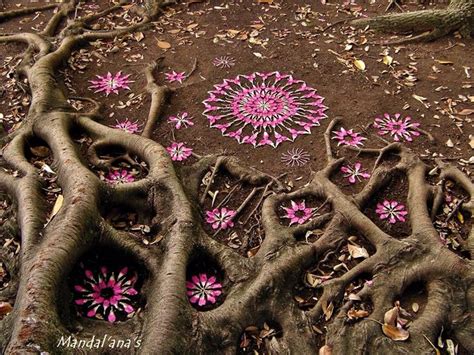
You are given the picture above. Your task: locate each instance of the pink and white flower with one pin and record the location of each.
(175, 76)
(355, 173)
(298, 212)
(128, 126)
(181, 120)
(179, 151)
(398, 128)
(295, 157)
(121, 176)
(348, 137)
(203, 289)
(106, 295)
(220, 219)
(111, 83)
(391, 210)
(223, 62)
(264, 109)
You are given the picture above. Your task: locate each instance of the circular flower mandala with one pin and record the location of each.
(264, 108)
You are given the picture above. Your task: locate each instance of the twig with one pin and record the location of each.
(327, 138)
(214, 171)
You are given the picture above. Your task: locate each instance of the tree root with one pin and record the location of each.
(458, 16)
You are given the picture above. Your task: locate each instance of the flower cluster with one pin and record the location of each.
(354, 173)
(121, 176)
(179, 151)
(106, 295)
(175, 76)
(298, 212)
(397, 127)
(181, 120)
(110, 83)
(220, 218)
(391, 210)
(202, 289)
(348, 137)
(128, 126)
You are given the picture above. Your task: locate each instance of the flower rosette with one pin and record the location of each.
(264, 108)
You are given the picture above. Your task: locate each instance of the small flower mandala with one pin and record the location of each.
(298, 212)
(220, 218)
(264, 108)
(175, 76)
(354, 173)
(103, 294)
(391, 210)
(348, 138)
(295, 157)
(110, 83)
(128, 126)
(223, 62)
(179, 151)
(398, 128)
(203, 289)
(121, 176)
(181, 120)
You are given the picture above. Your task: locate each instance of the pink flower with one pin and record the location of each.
(397, 127)
(220, 219)
(179, 151)
(119, 177)
(109, 83)
(181, 120)
(298, 212)
(223, 62)
(392, 210)
(128, 126)
(203, 289)
(348, 137)
(174, 76)
(106, 294)
(355, 172)
(295, 156)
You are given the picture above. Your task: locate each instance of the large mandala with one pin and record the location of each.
(264, 108)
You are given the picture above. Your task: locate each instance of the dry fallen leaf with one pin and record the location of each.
(325, 350)
(5, 308)
(449, 143)
(357, 313)
(328, 310)
(163, 44)
(357, 252)
(57, 205)
(387, 60)
(359, 64)
(394, 333)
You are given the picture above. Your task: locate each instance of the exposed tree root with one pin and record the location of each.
(429, 24)
(258, 289)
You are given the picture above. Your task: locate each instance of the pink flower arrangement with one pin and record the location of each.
(348, 138)
(110, 83)
(223, 62)
(354, 173)
(128, 126)
(179, 151)
(104, 294)
(220, 219)
(398, 128)
(203, 289)
(391, 210)
(264, 109)
(175, 76)
(121, 176)
(181, 120)
(298, 212)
